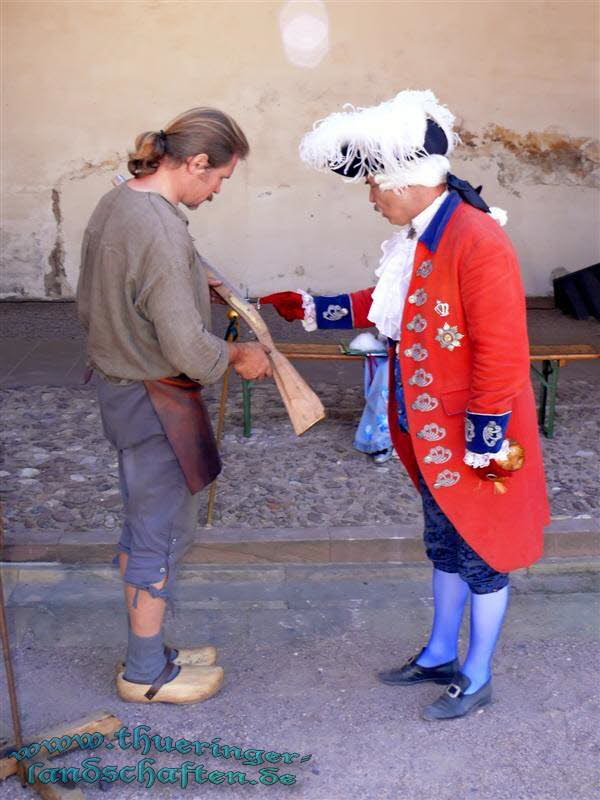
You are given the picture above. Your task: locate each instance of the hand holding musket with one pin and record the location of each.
(302, 404)
(250, 360)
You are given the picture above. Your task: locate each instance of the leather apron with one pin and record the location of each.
(180, 408)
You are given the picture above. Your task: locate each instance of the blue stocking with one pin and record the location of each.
(450, 593)
(487, 613)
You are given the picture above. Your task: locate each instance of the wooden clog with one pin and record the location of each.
(193, 684)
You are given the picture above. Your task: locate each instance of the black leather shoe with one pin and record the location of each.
(455, 703)
(411, 672)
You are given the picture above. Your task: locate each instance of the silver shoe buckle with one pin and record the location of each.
(453, 691)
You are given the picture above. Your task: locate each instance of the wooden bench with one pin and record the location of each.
(552, 358)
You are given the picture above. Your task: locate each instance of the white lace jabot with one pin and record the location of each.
(395, 270)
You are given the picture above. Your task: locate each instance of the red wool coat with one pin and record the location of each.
(466, 275)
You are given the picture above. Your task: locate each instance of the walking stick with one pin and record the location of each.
(10, 676)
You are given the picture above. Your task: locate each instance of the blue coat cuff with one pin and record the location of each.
(484, 433)
(333, 312)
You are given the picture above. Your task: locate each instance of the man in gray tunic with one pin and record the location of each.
(144, 299)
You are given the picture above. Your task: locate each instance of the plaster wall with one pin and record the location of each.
(81, 79)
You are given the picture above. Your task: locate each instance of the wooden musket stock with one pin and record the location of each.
(302, 404)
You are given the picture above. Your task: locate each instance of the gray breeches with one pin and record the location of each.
(160, 514)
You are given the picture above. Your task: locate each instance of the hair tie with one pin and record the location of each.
(162, 136)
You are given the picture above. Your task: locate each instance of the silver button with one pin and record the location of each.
(425, 402)
(432, 432)
(421, 378)
(446, 478)
(162, 569)
(419, 297)
(425, 269)
(173, 540)
(417, 352)
(438, 455)
(418, 324)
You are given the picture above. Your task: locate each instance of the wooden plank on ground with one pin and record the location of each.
(96, 722)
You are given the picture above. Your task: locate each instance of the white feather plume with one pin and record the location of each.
(387, 137)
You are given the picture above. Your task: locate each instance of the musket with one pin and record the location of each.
(302, 405)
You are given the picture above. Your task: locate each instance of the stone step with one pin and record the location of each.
(226, 589)
(564, 538)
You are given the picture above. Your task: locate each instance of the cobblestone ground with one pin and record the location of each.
(59, 471)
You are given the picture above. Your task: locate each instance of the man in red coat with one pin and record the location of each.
(450, 300)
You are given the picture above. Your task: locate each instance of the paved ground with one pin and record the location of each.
(300, 644)
(300, 647)
(69, 480)
(56, 480)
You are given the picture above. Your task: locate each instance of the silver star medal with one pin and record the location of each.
(449, 337)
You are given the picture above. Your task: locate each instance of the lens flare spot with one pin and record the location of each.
(304, 32)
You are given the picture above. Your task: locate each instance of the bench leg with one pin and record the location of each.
(543, 396)
(547, 404)
(247, 400)
(551, 369)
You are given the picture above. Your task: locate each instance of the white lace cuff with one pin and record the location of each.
(309, 323)
(483, 459)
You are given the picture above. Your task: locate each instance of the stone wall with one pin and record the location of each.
(82, 79)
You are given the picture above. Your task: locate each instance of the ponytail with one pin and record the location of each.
(199, 130)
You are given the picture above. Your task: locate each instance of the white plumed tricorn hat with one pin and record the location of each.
(401, 142)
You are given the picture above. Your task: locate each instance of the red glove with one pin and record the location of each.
(287, 304)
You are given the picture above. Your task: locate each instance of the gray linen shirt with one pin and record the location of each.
(143, 293)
